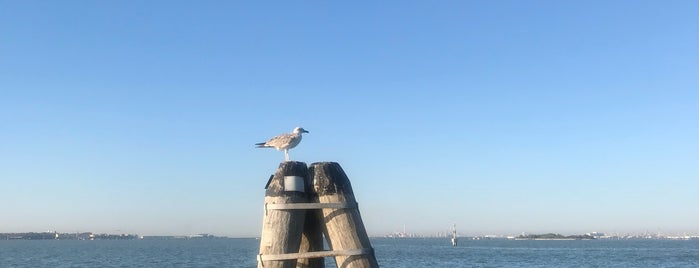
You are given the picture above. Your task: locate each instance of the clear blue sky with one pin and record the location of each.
(500, 116)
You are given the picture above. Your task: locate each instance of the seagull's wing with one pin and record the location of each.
(278, 142)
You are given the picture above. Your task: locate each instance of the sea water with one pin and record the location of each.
(417, 252)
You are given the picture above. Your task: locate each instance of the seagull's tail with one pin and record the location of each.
(261, 145)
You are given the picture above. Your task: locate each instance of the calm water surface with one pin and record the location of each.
(390, 253)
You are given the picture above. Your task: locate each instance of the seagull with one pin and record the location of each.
(284, 141)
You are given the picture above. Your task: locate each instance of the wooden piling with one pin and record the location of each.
(282, 229)
(344, 228)
(312, 240)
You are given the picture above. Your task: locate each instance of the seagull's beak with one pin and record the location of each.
(305, 131)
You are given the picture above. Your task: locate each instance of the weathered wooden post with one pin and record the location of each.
(344, 228)
(281, 228)
(301, 205)
(312, 240)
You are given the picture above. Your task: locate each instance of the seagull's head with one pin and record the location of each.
(300, 130)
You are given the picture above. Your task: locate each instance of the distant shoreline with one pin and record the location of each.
(93, 236)
(554, 239)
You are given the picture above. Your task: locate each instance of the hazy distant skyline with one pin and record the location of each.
(500, 117)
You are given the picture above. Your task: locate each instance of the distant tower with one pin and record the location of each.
(454, 240)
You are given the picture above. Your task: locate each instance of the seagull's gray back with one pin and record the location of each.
(284, 141)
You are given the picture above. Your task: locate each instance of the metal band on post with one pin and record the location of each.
(312, 205)
(294, 184)
(316, 254)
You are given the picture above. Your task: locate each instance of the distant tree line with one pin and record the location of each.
(28, 236)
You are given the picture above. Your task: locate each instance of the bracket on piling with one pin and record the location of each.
(314, 254)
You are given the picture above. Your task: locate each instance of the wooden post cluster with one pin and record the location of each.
(301, 205)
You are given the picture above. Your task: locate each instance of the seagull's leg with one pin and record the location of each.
(286, 154)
